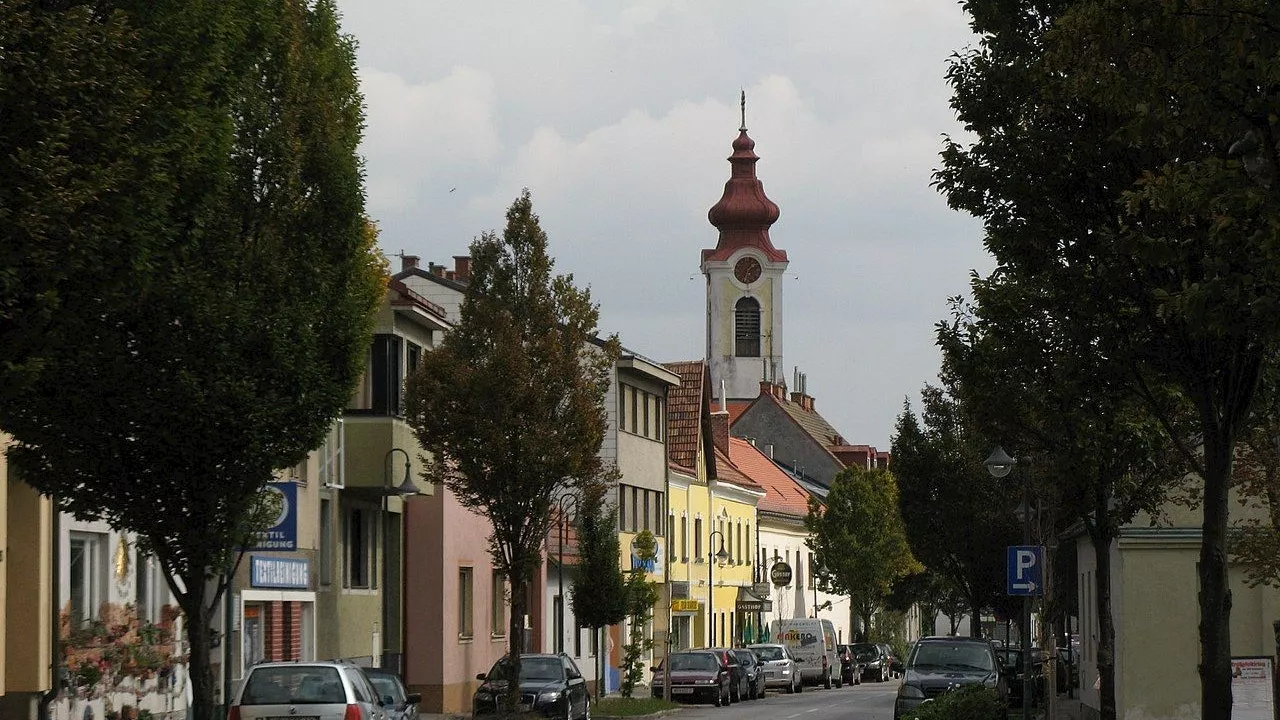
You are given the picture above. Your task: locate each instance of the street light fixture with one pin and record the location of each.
(719, 557)
(819, 572)
(999, 464)
(565, 502)
(405, 488)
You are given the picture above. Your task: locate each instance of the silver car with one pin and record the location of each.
(306, 691)
(779, 666)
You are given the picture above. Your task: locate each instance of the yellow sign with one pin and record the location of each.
(686, 605)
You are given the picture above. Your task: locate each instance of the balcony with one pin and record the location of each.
(368, 440)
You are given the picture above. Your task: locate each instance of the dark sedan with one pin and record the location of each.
(753, 668)
(850, 668)
(549, 684)
(874, 660)
(696, 676)
(937, 665)
(399, 703)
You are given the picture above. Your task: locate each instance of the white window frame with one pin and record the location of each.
(94, 573)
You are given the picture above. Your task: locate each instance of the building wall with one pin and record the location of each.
(797, 599)
(29, 604)
(733, 514)
(769, 424)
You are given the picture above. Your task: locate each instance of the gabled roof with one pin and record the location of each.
(688, 415)
(813, 424)
(402, 296)
(783, 495)
(728, 472)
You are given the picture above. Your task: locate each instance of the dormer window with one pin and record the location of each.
(746, 327)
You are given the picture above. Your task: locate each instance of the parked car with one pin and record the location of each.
(891, 656)
(875, 663)
(549, 683)
(738, 687)
(399, 703)
(937, 665)
(323, 690)
(1011, 659)
(696, 675)
(850, 668)
(780, 667)
(754, 670)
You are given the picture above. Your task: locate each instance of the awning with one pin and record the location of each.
(749, 602)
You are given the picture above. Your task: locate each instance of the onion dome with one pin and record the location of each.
(744, 213)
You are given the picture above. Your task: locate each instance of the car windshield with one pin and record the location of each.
(532, 669)
(962, 656)
(769, 652)
(297, 685)
(387, 686)
(694, 661)
(866, 651)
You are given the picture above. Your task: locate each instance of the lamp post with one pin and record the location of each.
(818, 572)
(721, 557)
(564, 502)
(406, 487)
(999, 464)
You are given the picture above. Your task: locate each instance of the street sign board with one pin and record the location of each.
(1025, 570)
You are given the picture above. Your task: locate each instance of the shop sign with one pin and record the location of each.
(653, 566)
(274, 572)
(686, 605)
(281, 502)
(780, 574)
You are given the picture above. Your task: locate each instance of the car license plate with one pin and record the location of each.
(682, 690)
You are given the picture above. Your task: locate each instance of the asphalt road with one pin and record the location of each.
(868, 701)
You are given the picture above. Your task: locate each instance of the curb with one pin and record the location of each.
(650, 716)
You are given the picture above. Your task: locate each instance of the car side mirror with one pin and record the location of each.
(413, 699)
(480, 676)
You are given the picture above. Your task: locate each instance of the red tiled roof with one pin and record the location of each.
(726, 471)
(684, 413)
(735, 408)
(783, 494)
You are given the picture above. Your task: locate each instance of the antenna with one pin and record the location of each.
(743, 104)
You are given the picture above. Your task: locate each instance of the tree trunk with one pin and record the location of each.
(955, 623)
(515, 630)
(1215, 592)
(199, 667)
(1103, 535)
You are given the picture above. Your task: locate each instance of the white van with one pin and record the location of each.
(812, 642)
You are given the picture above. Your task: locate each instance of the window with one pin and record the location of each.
(414, 356)
(697, 538)
(498, 605)
(746, 328)
(737, 544)
(635, 411)
(360, 538)
(622, 508)
(635, 508)
(749, 552)
(326, 541)
(148, 589)
(386, 375)
(646, 511)
(88, 575)
(577, 637)
(684, 538)
(659, 428)
(671, 536)
(657, 513)
(466, 623)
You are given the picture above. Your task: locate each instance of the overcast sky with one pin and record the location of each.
(618, 116)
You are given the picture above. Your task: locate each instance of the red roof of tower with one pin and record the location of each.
(744, 213)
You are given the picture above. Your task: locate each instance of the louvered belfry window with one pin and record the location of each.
(746, 327)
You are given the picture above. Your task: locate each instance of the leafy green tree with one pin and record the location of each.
(218, 300)
(599, 593)
(958, 518)
(1129, 149)
(857, 535)
(510, 405)
(641, 596)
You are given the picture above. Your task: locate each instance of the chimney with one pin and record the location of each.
(720, 430)
(462, 268)
(448, 274)
(408, 262)
(768, 450)
(766, 387)
(437, 270)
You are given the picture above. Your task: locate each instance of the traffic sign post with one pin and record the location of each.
(1025, 570)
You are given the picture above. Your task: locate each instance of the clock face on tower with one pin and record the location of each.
(747, 270)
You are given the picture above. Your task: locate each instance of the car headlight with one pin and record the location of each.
(910, 692)
(786, 672)
(705, 682)
(549, 697)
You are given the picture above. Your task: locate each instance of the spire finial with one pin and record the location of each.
(743, 104)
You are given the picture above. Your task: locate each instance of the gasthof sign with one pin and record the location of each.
(780, 574)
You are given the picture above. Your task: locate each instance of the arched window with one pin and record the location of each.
(746, 328)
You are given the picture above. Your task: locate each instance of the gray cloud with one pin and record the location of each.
(618, 117)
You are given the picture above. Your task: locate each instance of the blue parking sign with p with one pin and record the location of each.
(1025, 570)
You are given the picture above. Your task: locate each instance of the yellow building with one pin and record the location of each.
(26, 594)
(711, 520)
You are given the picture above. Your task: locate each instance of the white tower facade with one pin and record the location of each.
(744, 283)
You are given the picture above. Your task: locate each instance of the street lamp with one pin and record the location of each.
(818, 572)
(999, 464)
(564, 502)
(720, 557)
(406, 487)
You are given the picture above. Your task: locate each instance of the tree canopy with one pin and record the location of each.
(197, 279)
(510, 406)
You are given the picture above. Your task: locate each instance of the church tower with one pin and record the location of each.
(744, 282)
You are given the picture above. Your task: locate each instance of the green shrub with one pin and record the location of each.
(972, 702)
